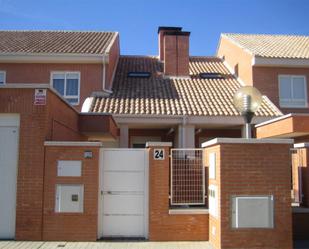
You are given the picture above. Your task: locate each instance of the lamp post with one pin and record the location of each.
(247, 101)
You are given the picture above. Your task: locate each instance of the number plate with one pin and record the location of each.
(158, 154)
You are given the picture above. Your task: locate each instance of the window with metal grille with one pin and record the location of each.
(187, 177)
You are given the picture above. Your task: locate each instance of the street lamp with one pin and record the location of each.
(247, 101)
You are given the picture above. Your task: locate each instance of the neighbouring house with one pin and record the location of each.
(275, 64)
(278, 65)
(76, 117)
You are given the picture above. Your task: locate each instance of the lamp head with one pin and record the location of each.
(247, 99)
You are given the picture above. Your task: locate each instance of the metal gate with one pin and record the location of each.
(123, 193)
(187, 177)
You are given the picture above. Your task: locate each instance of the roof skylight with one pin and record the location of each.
(139, 74)
(211, 76)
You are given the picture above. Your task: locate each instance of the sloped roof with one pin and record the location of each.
(273, 46)
(59, 42)
(157, 95)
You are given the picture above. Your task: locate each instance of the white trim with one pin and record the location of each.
(301, 145)
(4, 77)
(108, 49)
(279, 62)
(178, 119)
(246, 141)
(188, 211)
(53, 58)
(277, 119)
(143, 140)
(292, 76)
(72, 143)
(163, 144)
(26, 85)
(65, 83)
(86, 107)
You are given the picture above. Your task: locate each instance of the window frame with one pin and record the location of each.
(286, 105)
(4, 77)
(65, 83)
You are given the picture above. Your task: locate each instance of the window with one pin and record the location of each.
(292, 91)
(67, 84)
(2, 77)
(139, 74)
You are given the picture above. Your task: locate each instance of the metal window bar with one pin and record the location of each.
(187, 177)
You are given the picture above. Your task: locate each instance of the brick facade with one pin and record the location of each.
(91, 74)
(238, 60)
(248, 170)
(71, 226)
(35, 128)
(266, 79)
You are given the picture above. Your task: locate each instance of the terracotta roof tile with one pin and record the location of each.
(71, 42)
(274, 46)
(192, 96)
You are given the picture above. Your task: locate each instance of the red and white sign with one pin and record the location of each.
(40, 97)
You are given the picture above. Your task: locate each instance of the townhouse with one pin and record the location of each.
(76, 116)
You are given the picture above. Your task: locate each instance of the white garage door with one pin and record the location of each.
(8, 174)
(124, 193)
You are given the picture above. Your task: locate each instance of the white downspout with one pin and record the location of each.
(103, 75)
(184, 122)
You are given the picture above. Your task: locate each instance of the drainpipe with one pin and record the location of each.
(103, 75)
(184, 122)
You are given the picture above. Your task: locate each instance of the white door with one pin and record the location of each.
(124, 193)
(8, 178)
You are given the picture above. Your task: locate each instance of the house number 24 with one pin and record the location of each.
(158, 154)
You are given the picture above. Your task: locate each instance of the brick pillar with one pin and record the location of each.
(163, 224)
(71, 226)
(246, 173)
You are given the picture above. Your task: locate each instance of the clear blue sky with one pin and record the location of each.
(138, 20)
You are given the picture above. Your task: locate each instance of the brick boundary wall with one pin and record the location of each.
(71, 226)
(162, 225)
(252, 169)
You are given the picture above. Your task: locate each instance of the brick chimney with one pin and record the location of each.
(174, 50)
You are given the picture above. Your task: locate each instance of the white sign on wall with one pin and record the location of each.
(40, 97)
(212, 165)
(158, 154)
